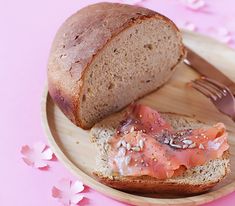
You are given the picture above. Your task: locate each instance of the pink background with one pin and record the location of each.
(27, 28)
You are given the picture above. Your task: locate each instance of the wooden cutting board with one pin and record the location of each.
(73, 148)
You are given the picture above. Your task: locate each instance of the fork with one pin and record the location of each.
(218, 93)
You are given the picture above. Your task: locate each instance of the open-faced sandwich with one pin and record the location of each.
(108, 55)
(142, 150)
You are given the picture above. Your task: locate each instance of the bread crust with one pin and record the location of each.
(73, 50)
(147, 184)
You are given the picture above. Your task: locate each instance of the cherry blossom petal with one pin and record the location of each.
(77, 187)
(39, 146)
(25, 150)
(64, 184)
(28, 162)
(40, 164)
(56, 193)
(194, 4)
(68, 192)
(76, 198)
(189, 26)
(47, 154)
(36, 155)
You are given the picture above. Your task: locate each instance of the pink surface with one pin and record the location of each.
(27, 29)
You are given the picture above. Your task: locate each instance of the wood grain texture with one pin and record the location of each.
(73, 148)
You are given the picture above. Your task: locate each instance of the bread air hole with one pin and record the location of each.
(84, 98)
(63, 56)
(148, 46)
(111, 85)
(116, 51)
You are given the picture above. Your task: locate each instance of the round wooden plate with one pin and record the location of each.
(73, 148)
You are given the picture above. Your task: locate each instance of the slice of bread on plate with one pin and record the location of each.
(191, 181)
(107, 55)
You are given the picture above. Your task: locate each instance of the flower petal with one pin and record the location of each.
(47, 154)
(56, 193)
(27, 161)
(25, 150)
(64, 184)
(76, 198)
(40, 164)
(65, 200)
(35, 155)
(194, 4)
(61, 195)
(189, 26)
(77, 187)
(67, 192)
(39, 147)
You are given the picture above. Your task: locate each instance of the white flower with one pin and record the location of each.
(68, 192)
(36, 155)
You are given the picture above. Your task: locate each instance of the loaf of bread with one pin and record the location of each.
(107, 55)
(193, 181)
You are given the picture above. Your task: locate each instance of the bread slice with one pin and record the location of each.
(196, 180)
(107, 55)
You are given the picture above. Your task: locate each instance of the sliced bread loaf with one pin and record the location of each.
(107, 55)
(196, 180)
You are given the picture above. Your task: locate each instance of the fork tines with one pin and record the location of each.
(218, 93)
(209, 88)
